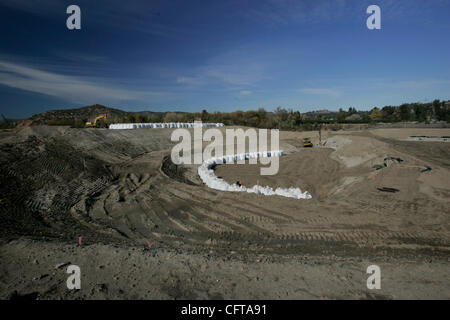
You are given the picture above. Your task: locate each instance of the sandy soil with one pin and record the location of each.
(120, 192)
(403, 134)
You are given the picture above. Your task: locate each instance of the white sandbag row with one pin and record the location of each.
(206, 173)
(163, 125)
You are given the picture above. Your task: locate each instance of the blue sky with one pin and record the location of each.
(222, 55)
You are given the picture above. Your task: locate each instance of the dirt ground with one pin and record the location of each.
(153, 230)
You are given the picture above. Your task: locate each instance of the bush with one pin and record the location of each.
(80, 123)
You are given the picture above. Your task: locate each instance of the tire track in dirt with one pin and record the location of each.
(249, 226)
(131, 194)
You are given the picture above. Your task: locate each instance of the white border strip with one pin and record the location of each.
(163, 125)
(206, 173)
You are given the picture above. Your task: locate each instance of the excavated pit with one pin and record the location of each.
(120, 185)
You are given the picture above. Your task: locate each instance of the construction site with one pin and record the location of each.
(141, 227)
(217, 151)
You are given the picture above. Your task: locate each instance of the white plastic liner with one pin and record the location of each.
(206, 173)
(163, 125)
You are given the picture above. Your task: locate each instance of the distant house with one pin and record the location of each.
(323, 111)
(353, 117)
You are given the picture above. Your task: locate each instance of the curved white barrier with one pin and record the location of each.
(206, 173)
(163, 125)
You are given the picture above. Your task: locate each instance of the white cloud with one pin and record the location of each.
(245, 92)
(67, 87)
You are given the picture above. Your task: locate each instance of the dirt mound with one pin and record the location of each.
(41, 180)
(174, 171)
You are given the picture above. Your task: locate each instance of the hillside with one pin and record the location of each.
(85, 113)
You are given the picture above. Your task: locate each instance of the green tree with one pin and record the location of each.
(204, 115)
(404, 112)
(170, 117)
(376, 114)
(388, 113)
(131, 118)
(420, 112)
(341, 115)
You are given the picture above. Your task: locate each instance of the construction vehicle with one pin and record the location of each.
(99, 121)
(307, 143)
(6, 122)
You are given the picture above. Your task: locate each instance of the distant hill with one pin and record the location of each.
(86, 113)
(149, 113)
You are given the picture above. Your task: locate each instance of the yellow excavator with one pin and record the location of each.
(99, 121)
(307, 143)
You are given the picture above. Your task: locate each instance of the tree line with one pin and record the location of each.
(288, 119)
(283, 118)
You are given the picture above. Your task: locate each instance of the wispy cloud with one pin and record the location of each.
(71, 88)
(321, 91)
(225, 75)
(413, 84)
(235, 74)
(143, 16)
(190, 80)
(284, 12)
(240, 67)
(246, 92)
(276, 12)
